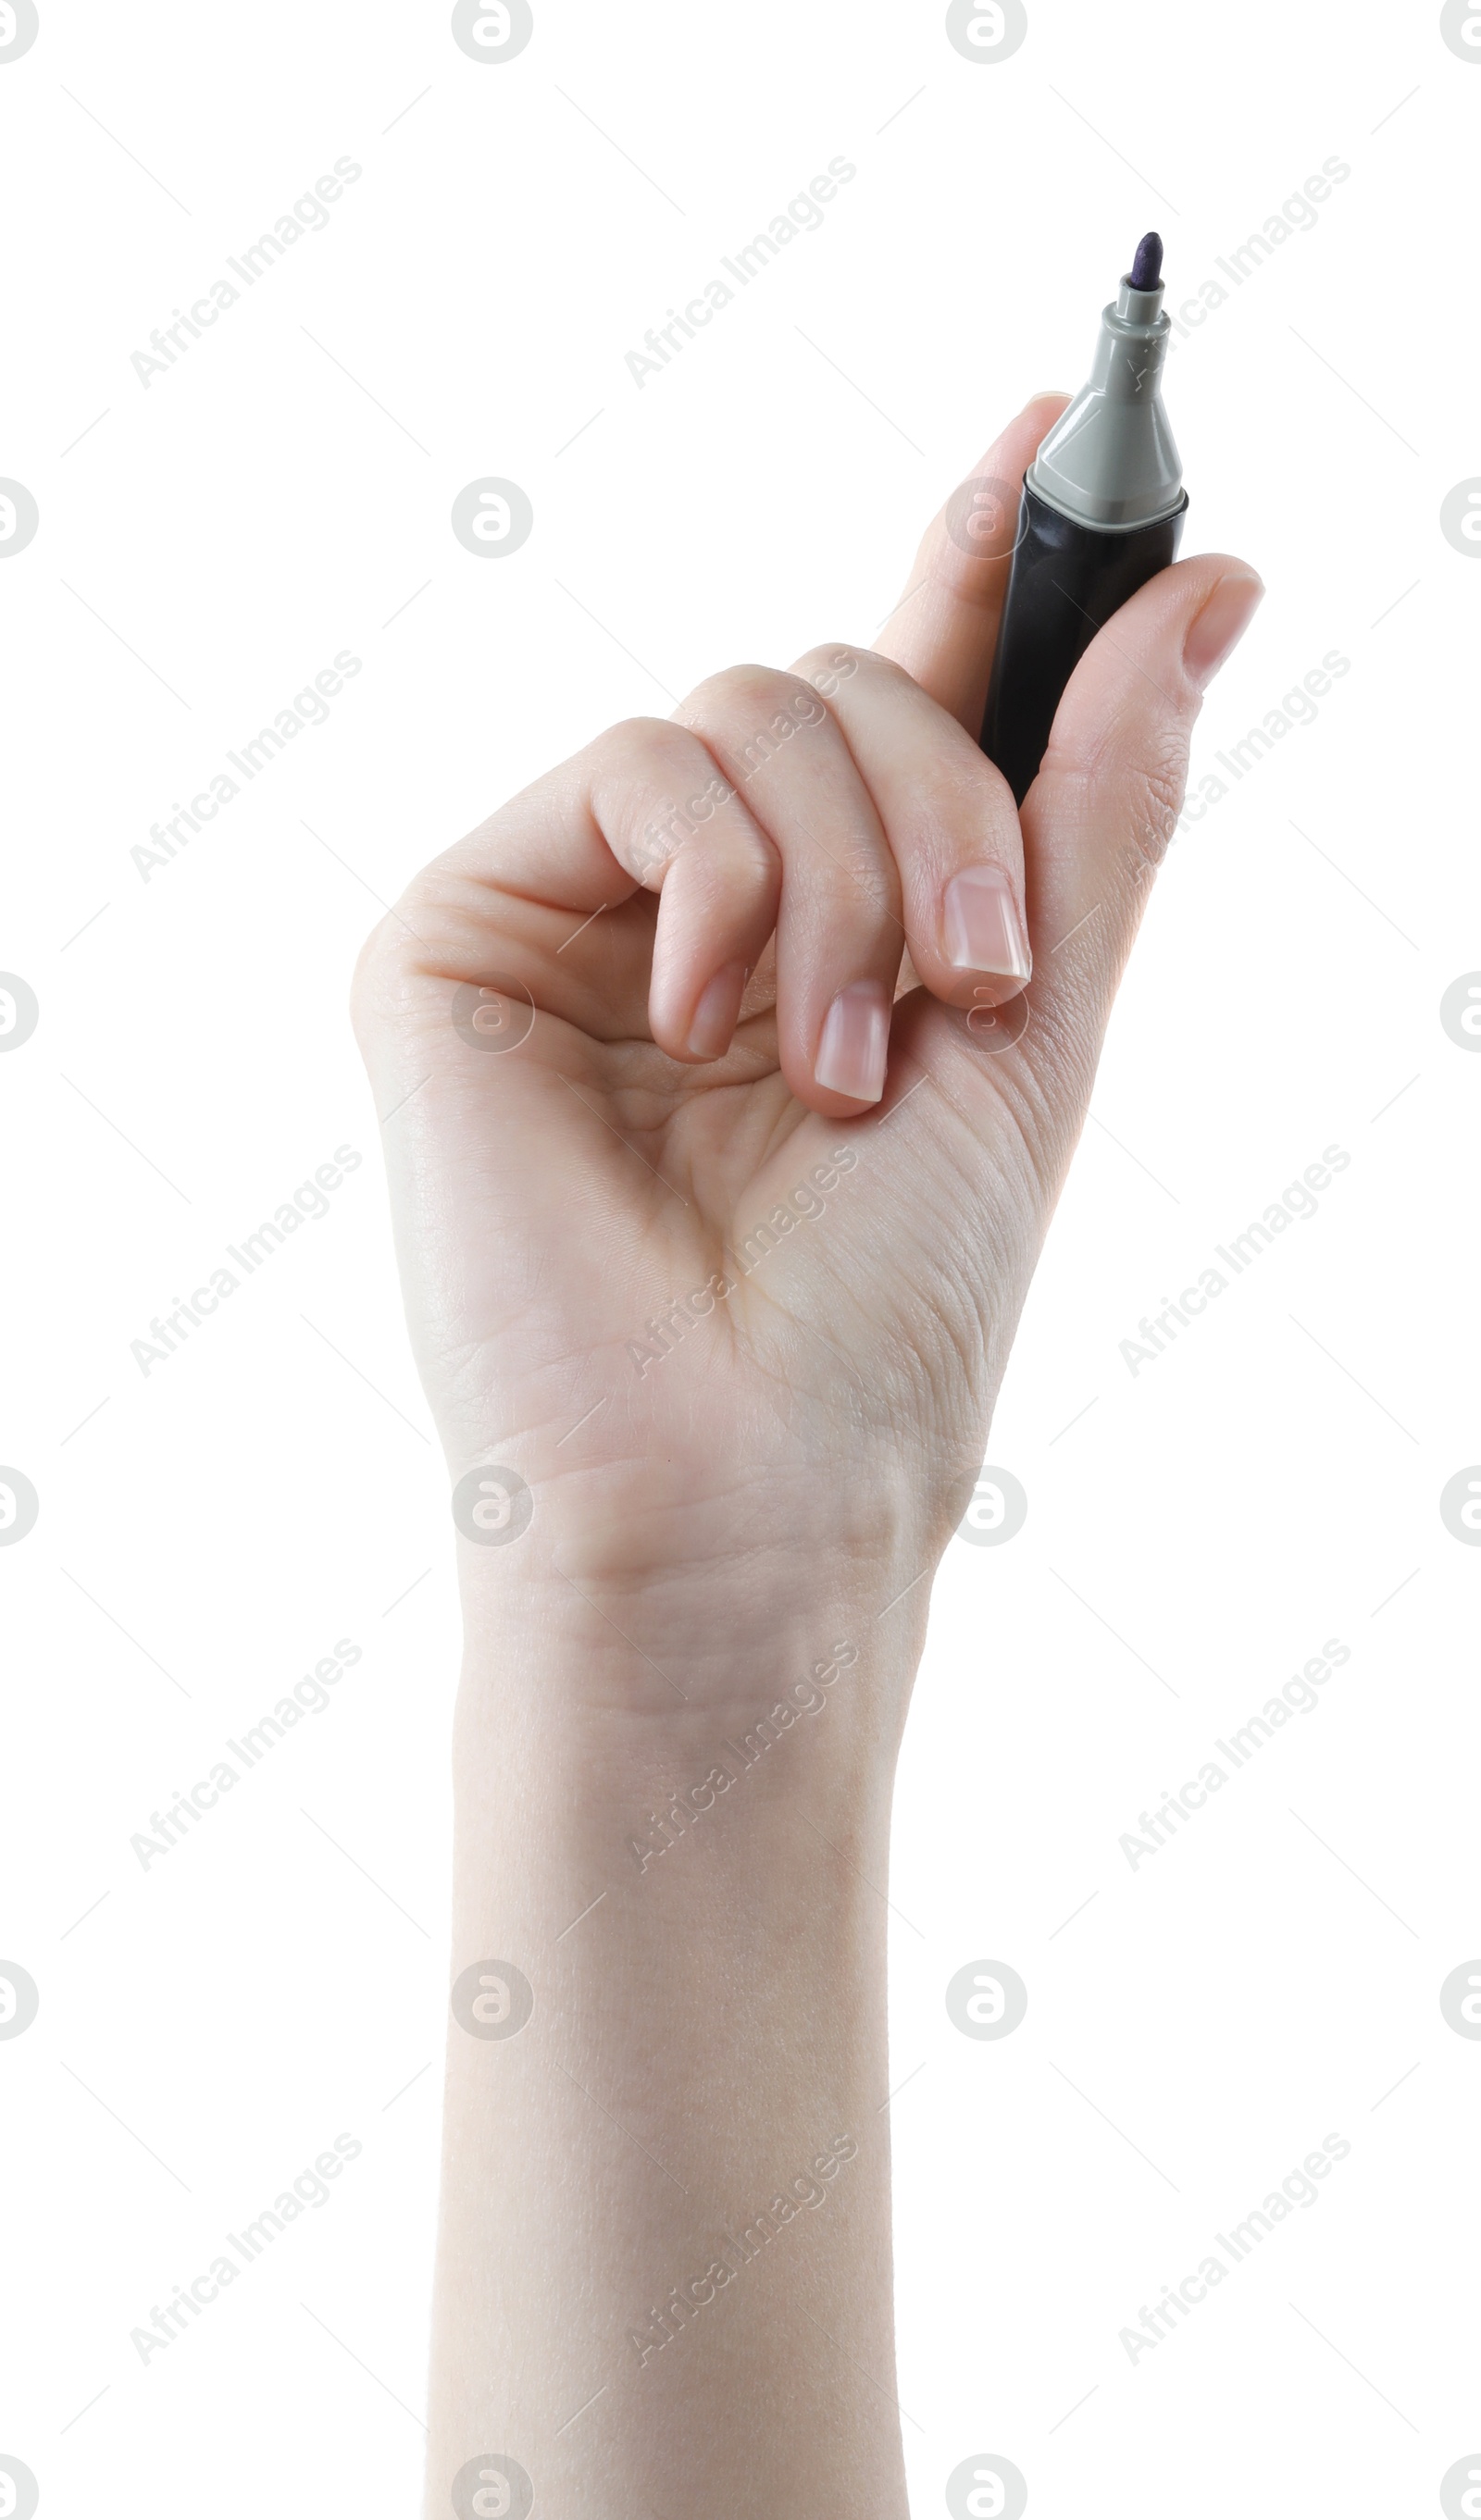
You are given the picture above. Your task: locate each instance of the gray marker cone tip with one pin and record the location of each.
(1110, 460)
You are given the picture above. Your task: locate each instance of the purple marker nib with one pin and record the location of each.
(1146, 264)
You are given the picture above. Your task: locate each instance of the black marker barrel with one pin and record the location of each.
(1102, 512)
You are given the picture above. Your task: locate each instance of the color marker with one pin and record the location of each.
(1103, 511)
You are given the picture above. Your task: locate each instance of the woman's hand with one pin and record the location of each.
(716, 1244)
(708, 1234)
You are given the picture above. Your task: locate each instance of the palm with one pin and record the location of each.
(632, 1259)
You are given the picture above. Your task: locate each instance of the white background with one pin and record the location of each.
(1195, 1532)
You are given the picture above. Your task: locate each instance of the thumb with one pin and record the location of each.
(1098, 819)
(1097, 823)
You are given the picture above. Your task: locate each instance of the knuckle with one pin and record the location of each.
(836, 661)
(1127, 781)
(635, 745)
(749, 715)
(738, 693)
(638, 775)
(1152, 787)
(962, 786)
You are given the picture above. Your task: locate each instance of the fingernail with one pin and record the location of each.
(1220, 627)
(855, 1044)
(714, 1018)
(983, 930)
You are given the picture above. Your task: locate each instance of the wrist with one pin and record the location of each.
(707, 1552)
(604, 1703)
(740, 1774)
(665, 1609)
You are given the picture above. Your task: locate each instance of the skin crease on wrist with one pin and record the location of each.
(730, 1075)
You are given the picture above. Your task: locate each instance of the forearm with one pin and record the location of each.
(663, 2281)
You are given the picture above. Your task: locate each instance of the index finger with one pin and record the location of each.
(945, 626)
